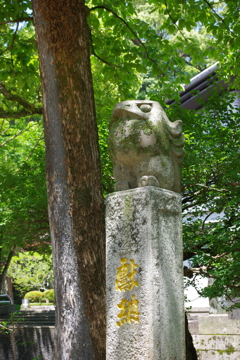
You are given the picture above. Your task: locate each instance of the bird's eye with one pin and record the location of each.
(145, 108)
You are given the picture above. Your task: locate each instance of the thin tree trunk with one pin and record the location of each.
(3, 275)
(76, 209)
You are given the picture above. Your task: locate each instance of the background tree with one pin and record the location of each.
(23, 219)
(31, 271)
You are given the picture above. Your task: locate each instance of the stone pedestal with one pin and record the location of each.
(145, 302)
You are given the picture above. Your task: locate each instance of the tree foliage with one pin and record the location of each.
(23, 198)
(31, 271)
(23, 195)
(163, 38)
(211, 194)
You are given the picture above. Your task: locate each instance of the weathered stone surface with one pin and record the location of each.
(219, 342)
(218, 324)
(217, 347)
(235, 313)
(193, 327)
(218, 355)
(146, 148)
(144, 226)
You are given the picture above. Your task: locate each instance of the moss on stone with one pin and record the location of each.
(230, 350)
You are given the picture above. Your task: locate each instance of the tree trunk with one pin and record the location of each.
(3, 275)
(76, 208)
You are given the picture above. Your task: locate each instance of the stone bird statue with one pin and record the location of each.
(146, 148)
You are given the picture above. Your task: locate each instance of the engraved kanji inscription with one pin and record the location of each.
(125, 280)
(129, 311)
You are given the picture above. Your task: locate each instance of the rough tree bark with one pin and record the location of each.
(76, 208)
(3, 275)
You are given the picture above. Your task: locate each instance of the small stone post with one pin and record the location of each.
(145, 301)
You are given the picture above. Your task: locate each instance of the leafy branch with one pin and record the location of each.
(13, 137)
(178, 28)
(204, 221)
(202, 270)
(129, 28)
(10, 47)
(199, 68)
(13, 114)
(21, 101)
(33, 149)
(215, 13)
(4, 131)
(21, 19)
(212, 188)
(101, 59)
(105, 61)
(31, 152)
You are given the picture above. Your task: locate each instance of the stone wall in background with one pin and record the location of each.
(32, 341)
(216, 337)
